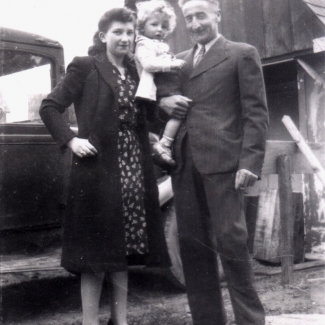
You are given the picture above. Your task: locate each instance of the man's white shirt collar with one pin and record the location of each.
(207, 46)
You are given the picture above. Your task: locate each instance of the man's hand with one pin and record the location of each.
(82, 148)
(175, 106)
(244, 178)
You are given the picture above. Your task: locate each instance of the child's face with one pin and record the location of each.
(156, 28)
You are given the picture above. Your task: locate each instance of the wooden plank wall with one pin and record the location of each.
(312, 110)
(274, 27)
(278, 27)
(318, 7)
(299, 164)
(234, 24)
(302, 25)
(241, 22)
(179, 40)
(254, 27)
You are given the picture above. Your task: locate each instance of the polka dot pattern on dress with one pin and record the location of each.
(130, 164)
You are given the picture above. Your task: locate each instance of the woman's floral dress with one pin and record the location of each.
(130, 165)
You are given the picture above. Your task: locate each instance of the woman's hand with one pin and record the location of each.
(177, 64)
(82, 148)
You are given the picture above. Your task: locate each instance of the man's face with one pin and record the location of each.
(201, 20)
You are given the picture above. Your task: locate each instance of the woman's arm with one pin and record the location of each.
(68, 91)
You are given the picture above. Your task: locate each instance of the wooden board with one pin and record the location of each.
(180, 39)
(302, 25)
(296, 267)
(278, 27)
(295, 319)
(318, 7)
(242, 21)
(266, 240)
(254, 27)
(24, 263)
(302, 105)
(233, 24)
(299, 164)
(315, 256)
(267, 230)
(319, 3)
(311, 111)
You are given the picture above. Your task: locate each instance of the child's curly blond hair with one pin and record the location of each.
(147, 9)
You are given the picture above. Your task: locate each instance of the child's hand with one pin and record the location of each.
(177, 64)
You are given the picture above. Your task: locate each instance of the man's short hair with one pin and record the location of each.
(213, 2)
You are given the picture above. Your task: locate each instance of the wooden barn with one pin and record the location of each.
(290, 37)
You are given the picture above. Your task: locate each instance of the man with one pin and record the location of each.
(219, 152)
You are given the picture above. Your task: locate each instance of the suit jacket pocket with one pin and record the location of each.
(229, 143)
(229, 134)
(228, 149)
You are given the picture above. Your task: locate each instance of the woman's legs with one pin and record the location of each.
(91, 288)
(119, 297)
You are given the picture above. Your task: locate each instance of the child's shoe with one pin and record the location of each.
(163, 154)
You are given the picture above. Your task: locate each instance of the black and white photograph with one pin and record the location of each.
(162, 162)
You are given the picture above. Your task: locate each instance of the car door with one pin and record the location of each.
(33, 171)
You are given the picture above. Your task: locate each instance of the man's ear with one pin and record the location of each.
(218, 16)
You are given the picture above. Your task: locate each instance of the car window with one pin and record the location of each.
(25, 79)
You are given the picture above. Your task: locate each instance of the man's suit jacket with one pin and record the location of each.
(228, 119)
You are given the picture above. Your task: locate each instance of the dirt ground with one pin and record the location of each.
(52, 298)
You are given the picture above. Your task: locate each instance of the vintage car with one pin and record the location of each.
(34, 172)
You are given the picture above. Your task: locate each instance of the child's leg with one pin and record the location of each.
(119, 297)
(91, 287)
(172, 127)
(163, 147)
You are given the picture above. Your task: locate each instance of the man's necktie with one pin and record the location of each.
(199, 56)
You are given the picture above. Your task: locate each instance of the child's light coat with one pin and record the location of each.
(150, 56)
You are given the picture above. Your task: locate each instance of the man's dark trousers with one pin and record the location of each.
(207, 207)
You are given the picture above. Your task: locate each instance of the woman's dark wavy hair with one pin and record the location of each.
(122, 15)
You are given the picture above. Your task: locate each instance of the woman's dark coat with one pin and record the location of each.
(94, 239)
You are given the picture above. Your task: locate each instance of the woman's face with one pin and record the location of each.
(119, 38)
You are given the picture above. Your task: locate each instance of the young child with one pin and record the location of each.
(156, 19)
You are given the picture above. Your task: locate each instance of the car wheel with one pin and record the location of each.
(175, 273)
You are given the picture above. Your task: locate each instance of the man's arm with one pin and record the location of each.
(175, 106)
(254, 117)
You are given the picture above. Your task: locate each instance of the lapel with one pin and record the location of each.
(188, 58)
(105, 68)
(213, 57)
(130, 65)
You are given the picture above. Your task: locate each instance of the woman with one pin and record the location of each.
(113, 216)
